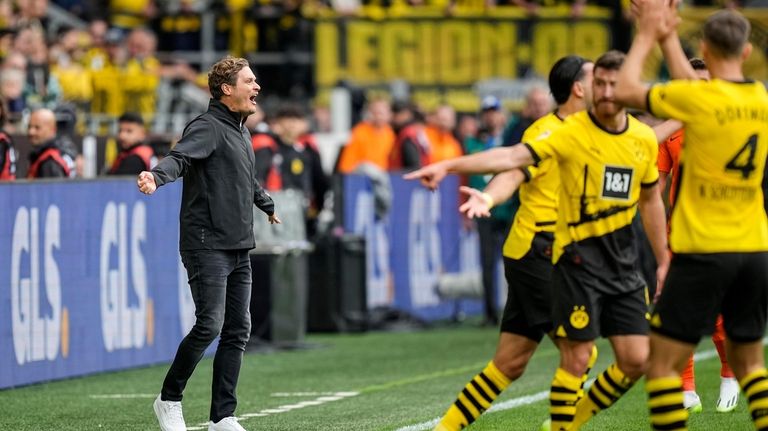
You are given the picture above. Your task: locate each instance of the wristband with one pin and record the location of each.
(488, 200)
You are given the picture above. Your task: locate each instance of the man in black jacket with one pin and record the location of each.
(215, 158)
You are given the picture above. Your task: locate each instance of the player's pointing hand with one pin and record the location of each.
(430, 175)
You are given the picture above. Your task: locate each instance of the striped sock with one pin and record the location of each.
(609, 386)
(665, 401)
(590, 365)
(474, 399)
(755, 385)
(562, 399)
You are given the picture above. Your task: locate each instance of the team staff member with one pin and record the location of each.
(135, 154)
(215, 158)
(719, 230)
(527, 252)
(607, 165)
(47, 159)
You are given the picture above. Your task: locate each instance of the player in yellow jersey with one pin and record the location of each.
(527, 252)
(607, 165)
(719, 230)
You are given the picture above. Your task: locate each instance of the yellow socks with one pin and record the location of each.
(562, 399)
(755, 385)
(665, 401)
(474, 399)
(609, 386)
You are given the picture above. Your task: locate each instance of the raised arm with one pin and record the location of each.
(486, 162)
(656, 20)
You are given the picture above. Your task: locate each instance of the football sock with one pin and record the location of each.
(755, 386)
(474, 399)
(689, 376)
(562, 399)
(590, 365)
(609, 386)
(665, 402)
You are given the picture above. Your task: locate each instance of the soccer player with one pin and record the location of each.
(607, 165)
(527, 251)
(719, 230)
(669, 163)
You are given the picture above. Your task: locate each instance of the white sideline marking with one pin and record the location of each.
(121, 396)
(301, 394)
(322, 398)
(539, 396)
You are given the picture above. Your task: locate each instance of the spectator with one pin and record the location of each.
(141, 73)
(127, 15)
(47, 160)
(538, 103)
(371, 140)
(68, 68)
(41, 89)
(105, 70)
(443, 145)
(12, 82)
(136, 155)
(7, 150)
(412, 148)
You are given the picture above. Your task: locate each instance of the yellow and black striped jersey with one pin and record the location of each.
(601, 173)
(538, 195)
(719, 207)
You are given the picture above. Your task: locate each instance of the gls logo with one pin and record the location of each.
(127, 314)
(38, 332)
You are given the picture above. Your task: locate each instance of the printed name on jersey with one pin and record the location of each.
(617, 182)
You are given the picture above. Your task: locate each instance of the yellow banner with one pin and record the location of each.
(450, 52)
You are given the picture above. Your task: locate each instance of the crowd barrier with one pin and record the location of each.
(91, 279)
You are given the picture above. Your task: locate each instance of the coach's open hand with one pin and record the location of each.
(146, 183)
(273, 219)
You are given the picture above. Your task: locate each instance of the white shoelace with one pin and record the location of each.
(174, 412)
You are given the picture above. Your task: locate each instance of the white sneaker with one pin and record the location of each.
(226, 424)
(692, 402)
(729, 395)
(169, 415)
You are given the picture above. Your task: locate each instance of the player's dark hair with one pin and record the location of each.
(726, 32)
(697, 64)
(564, 73)
(611, 60)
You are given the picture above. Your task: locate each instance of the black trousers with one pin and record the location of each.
(492, 233)
(220, 281)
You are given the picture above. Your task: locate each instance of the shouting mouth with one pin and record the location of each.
(253, 99)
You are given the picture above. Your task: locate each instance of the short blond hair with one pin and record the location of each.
(224, 72)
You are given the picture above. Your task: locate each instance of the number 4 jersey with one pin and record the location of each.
(601, 173)
(719, 207)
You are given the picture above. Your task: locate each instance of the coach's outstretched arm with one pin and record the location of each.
(656, 21)
(486, 162)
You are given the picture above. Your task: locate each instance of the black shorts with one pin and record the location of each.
(584, 310)
(528, 311)
(701, 286)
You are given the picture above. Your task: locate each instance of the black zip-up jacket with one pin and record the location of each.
(215, 158)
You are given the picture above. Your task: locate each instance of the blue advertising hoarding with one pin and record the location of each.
(90, 279)
(420, 241)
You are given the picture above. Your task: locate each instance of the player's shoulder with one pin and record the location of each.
(543, 127)
(639, 129)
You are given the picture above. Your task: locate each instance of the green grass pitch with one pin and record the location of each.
(373, 381)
